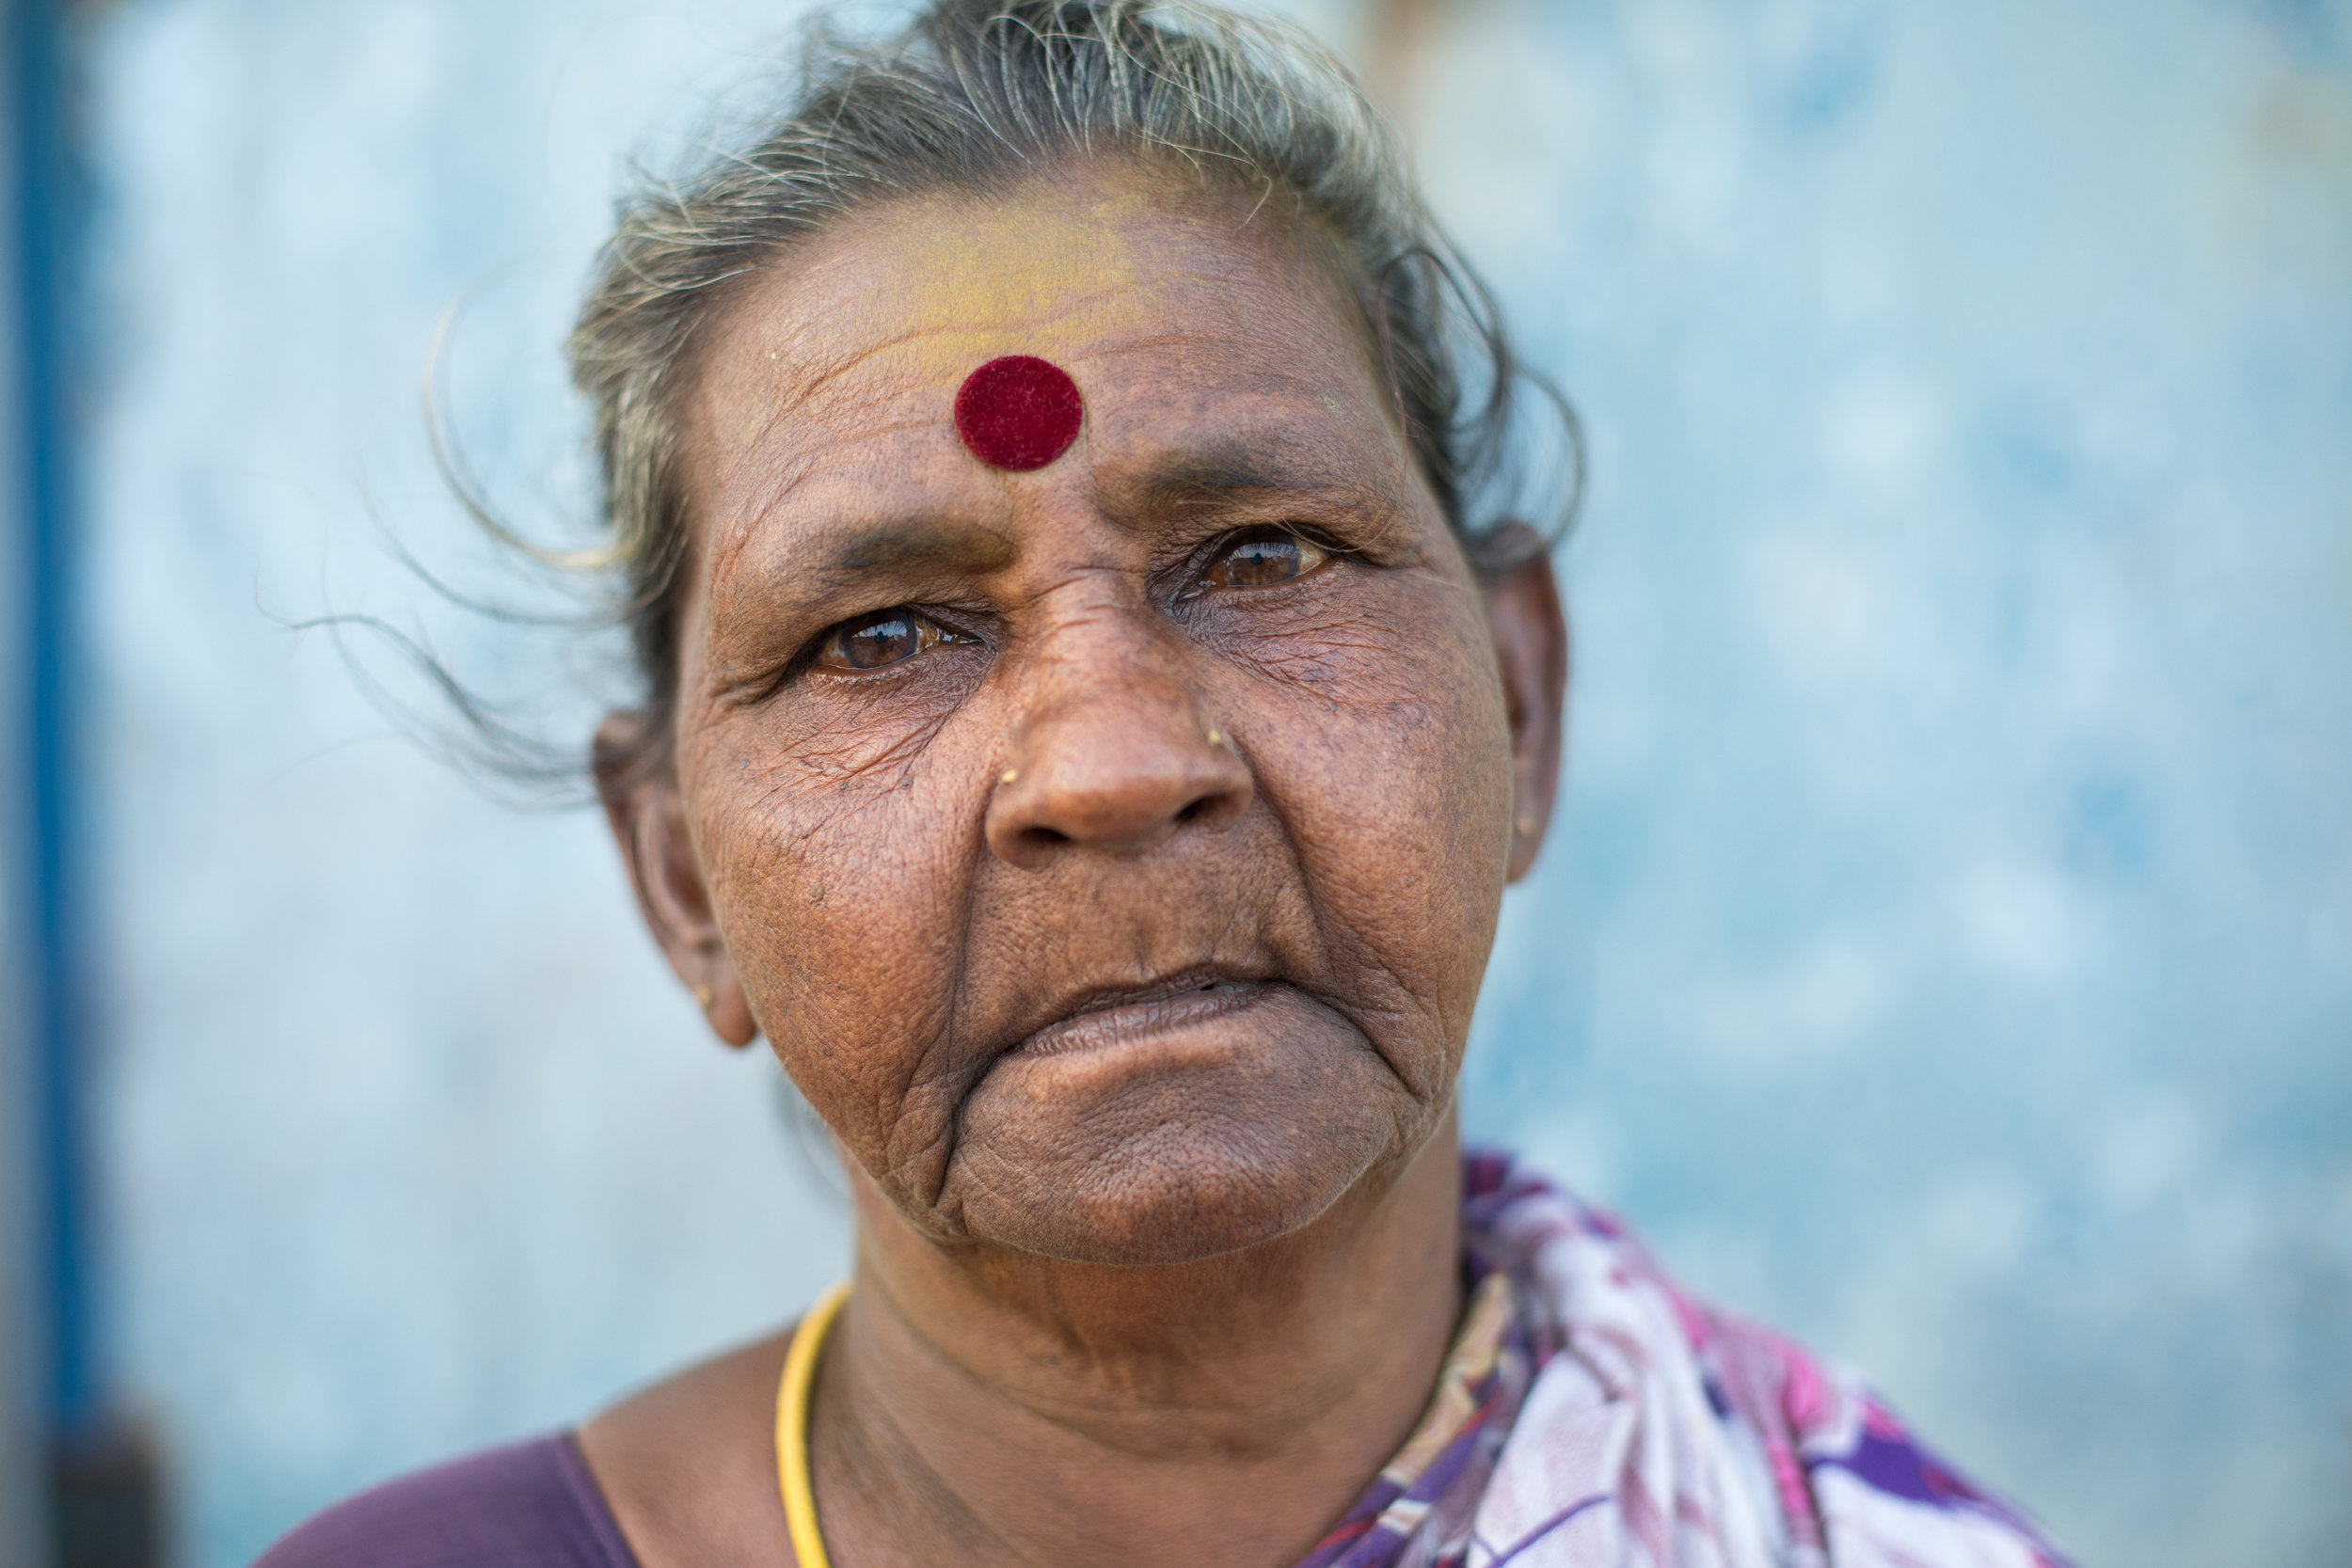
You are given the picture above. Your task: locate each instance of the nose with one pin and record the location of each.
(1121, 765)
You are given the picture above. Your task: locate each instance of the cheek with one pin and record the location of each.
(840, 895)
(1382, 740)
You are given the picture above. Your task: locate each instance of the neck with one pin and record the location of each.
(978, 1408)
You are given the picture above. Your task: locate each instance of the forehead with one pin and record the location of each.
(1188, 316)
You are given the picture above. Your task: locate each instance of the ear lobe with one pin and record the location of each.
(1531, 652)
(648, 822)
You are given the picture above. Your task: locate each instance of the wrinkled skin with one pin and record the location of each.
(1110, 853)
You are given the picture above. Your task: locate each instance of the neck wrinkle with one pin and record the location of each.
(1227, 1411)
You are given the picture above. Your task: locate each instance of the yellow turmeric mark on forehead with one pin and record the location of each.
(873, 327)
(964, 283)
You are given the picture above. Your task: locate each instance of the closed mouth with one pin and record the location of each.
(1119, 1017)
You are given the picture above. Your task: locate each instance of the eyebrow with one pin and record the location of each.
(912, 544)
(1210, 475)
(936, 547)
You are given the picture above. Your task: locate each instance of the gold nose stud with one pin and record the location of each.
(1007, 775)
(1216, 737)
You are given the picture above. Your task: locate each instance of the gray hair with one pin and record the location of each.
(976, 96)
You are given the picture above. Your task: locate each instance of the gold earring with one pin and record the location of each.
(1526, 825)
(705, 996)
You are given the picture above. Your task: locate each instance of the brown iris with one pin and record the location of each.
(1263, 558)
(878, 640)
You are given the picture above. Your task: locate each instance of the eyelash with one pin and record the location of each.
(1313, 554)
(928, 633)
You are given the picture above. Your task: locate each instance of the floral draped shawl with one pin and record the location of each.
(1590, 1414)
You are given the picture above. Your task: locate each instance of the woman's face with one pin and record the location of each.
(1110, 851)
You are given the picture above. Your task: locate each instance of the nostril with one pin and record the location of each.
(1042, 838)
(1208, 807)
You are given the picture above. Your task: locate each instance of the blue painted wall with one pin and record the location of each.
(1947, 949)
(1950, 951)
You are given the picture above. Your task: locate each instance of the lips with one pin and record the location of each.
(1115, 1016)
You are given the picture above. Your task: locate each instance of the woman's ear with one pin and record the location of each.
(649, 821)
(1532, 650)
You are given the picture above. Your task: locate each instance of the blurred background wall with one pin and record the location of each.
(1947, 952)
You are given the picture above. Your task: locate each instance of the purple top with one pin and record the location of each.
(534, 1505)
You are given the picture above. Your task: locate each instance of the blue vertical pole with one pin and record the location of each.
(104, 1492)
(53, 970)
(103, 1496)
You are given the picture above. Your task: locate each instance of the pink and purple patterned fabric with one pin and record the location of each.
(1590, 1414)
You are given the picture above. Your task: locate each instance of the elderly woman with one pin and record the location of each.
(1089, 723)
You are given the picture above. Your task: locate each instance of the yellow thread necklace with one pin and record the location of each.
(792, 1393)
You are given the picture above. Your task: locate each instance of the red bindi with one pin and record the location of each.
(1019, 412)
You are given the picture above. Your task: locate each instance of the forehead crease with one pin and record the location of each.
(1271, 432)
(765, 477)
(826, 328)
(827, 341)
(733, 530)
(1284, 382)
(794, 372)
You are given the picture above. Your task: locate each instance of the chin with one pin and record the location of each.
(1175, 1195)
(1179, 1149)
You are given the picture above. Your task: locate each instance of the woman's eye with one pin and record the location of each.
(1263, 558)
(878, 641)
